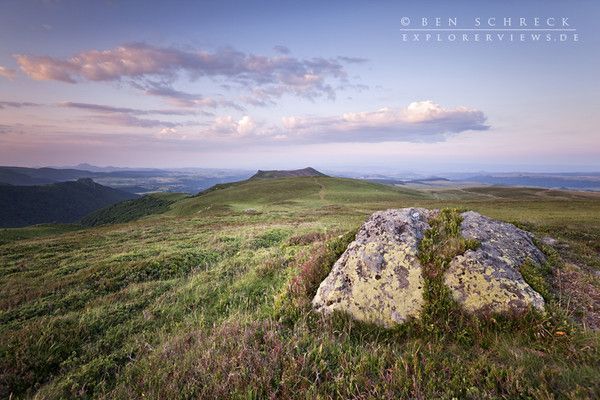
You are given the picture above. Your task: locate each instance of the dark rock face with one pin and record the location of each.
(379, 277)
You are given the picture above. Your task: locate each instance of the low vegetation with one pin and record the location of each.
(442, 242)
(131, 210)
(205, 300)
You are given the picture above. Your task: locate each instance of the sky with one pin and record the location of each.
(372, 85)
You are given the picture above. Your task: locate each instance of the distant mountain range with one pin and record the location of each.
(22, 176)
(570, 181)
(63, 202)
(94, 168)
(143, 180)
(549, 181)
(195, 180)
(286, 173)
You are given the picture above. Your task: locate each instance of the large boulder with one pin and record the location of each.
(378, 278)
(488, 279)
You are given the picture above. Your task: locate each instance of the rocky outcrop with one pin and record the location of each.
(378, 278)
(488, 279)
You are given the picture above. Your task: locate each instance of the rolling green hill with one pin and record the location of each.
(131, 210)
(58, 202)
(209, 297)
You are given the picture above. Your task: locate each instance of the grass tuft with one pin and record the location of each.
(269, 239)
(295, 298)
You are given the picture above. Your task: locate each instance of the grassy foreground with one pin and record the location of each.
(209, 299)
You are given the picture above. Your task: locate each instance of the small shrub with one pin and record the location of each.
(276, 262)
(229, 245)
(307, 238)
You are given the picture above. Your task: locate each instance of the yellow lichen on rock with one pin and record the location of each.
(488, 279)
(475, 288)
(386, 296)
(378, 279)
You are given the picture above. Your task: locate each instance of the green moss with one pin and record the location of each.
(537, 277)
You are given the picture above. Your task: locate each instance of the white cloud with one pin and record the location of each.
(419, 121)
(167, 131)
(422, 121)
(227, 126)
(170, 133)
(245, 126)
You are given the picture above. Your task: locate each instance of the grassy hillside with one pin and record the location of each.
(208, 300)
(59, 202)
(132, 210)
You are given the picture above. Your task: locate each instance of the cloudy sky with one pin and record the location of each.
(285, 84)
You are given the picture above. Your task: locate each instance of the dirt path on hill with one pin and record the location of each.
(321, 189)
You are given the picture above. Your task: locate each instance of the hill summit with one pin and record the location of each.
(273, 174)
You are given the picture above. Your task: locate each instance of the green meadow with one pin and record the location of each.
(208, 296)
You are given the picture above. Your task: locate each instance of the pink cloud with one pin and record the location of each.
(17, 104)
(100, 108)
(7, 73)
(182, 99)
(132, 121)
(275, 74)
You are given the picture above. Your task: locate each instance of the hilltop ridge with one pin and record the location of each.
(273, 174)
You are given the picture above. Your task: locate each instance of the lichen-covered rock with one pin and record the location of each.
(378, 278)
(488, 279)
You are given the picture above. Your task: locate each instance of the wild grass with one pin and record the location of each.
(131, 210)
(207, 301)
(441, 315)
